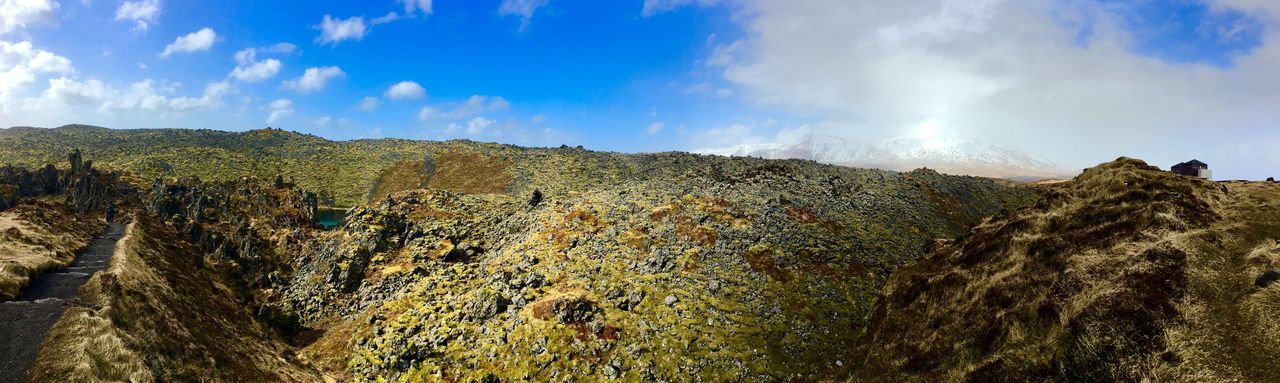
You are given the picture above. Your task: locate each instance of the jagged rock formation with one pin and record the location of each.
(47, 215)
(246, 230)
(1125, 273)
(84, 188)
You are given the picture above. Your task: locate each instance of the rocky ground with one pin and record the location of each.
(707, 267)
(485, 262)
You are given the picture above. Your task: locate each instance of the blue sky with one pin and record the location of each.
(1074, 81)
(577, 72)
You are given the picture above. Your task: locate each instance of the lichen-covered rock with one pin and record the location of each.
(736, 269)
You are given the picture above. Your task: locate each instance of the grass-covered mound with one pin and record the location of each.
(1126, 273)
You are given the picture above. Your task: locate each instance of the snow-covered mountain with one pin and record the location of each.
(951, 156)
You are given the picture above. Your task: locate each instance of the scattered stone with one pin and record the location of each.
(571, 309)
(671, 300)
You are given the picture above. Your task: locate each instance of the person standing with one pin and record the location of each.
(111, 212)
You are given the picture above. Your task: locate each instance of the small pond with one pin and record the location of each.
(330, 217)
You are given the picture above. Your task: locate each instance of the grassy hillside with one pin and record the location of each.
(346, 170)
(1126, 273)
(356, 172)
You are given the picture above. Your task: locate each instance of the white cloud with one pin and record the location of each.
(655, 127)
(142, 13)
(20, 66)
(389, 17)
(653, 7)
(476, 126)
(707, 89)
(281, 48)
(1266, 8)
(405, 90)
(522, 8)
(212, 96)
(280, 109)
(142, 96)
(734, 135)
(322, 122)
(198, 41)
(334, 31)
(506, 131)
(474, 105)
(413, 6)
(538, 119)
(250, 69)
(1057, 79)
(368, 104)
(90, 92)
(256, 71)
(18, 14)
(314, 79)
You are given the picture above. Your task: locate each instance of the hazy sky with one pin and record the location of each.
(1074, 81)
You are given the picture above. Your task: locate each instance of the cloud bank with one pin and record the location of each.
(1062, 79)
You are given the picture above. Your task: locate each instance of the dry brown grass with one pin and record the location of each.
(154, 315)
(406, 175)
(458, 172)
(471, 173)
(36, 237)
(1095, 283)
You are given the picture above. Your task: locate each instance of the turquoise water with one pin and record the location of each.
(330, 217)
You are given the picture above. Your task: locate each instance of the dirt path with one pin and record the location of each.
(25, 320)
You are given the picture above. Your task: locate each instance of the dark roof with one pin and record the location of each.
(1195, 163)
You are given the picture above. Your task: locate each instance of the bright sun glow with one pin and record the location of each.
(930, 134)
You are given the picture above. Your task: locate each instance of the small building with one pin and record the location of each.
(1193, 168)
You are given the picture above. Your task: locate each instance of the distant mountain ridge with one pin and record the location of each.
(952, 156)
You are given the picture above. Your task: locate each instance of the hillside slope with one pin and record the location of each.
(345, 170)
(1126, 273)
(347, 173)
(702, 266)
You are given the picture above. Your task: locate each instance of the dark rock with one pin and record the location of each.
(487, 304)
(565, 310)
(536, 199)
(1266, 279)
